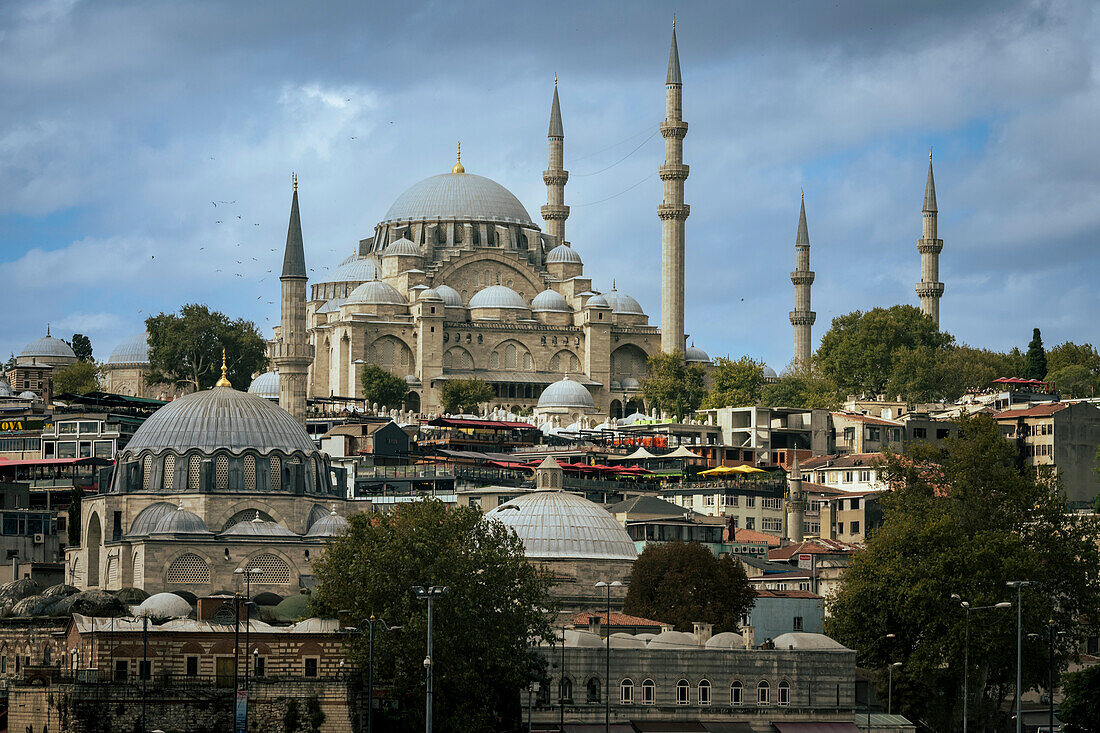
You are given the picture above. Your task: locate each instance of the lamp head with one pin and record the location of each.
(896, 664)
(1003, 604)
(616, 584)
(891, 636)
(601, 584)
(956, 597)
(965, 604)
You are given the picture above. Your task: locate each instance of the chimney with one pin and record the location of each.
(748, 634)
(702, 632)
(594, 624)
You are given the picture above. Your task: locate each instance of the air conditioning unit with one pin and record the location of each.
(39, 538)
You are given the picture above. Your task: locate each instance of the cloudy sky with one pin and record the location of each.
(125, 122)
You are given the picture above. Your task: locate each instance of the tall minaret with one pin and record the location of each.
(796, 502)
(673, 211)
(929, 289)
(556, 212)
(293, 354)
(802, 318)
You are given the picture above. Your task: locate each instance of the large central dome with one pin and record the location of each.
(459, 197)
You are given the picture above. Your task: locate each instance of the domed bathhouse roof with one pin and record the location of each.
(451, 298)
(554, 525)
(695, 354)
(181, 521)
(265, 385)
(567, 393)
(258, 528)
(807, 640)
(164, 606)
(375, 292)
(563, 254)
(28, 395)
(332, 305)
(597, 301)
(149, 517)
(497, 296)
(402, 248)
(457, 197)
(329, 526)
(134, 350)
(550, 300)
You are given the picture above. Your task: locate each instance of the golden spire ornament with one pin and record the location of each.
(224, 381)
(458, 165)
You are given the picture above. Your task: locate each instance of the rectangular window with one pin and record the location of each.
(920, 433)
(847, 477)
(261, 666)
(855, 527)
(849, 434)
(941, 433)
(626, 694)
(66, 449)
(311, 666)
(750, 522)
(750, 502)
(798, 623)
(770, 524)
(864, 476)
(681, 694)
(874, 433)
(145, 669)
(475, 502)
(122, 669)
(773, 503)
(784, 694)
(895, 435)
(708, 500)
(192, 666)
(840, 527)
(66, 428)
(103, 449)
(89, 427)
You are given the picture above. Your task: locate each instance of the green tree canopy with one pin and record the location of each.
(683, 582)
(495, 608)
(382, 388)
(1036, 367)
(186, 349)
(80, 377)
(674, 386)
(925, 374)
(858, 351)
(1080, 707)
(735, 383)
(805, 389)
(82, 347)
(1074, 380)
(464, 395)
(965, 520)
(1071, 354)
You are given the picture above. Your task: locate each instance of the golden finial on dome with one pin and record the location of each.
(295, 182)
(555, 80)
(458, 165)
(224, 381)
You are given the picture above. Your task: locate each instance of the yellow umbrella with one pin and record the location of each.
(748, 469)
(718, 471)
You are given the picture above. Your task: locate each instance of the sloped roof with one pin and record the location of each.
(646, 505)
(617, 619)
(1036, 411)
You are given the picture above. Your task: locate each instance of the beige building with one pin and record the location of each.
(126, 368)
(1063, 435)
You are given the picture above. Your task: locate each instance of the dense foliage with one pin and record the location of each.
(82, 347)
(382, 388)
(1080, 708)
(801, 387)
(186, 349)
(80, 377)
(674, 386)
(1036, 367)
(735, 383)
(464, 395)
(495, 608)
(965, 520)
(683, 582)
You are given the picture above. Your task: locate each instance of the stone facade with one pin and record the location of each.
(802, 317)
(673, 211)
(930, 289)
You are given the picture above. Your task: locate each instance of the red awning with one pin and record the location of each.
(512, 465)
(86, 461)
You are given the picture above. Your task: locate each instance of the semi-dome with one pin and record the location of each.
(402, 248)
(695, 354)
(567, 393)
(357, 270)
(807, 640)
(48, 347)
(622, 303)
(430, 294)
(149, 517)
(181, 521)
(497, 296)
(457, 197)
(451, 298)
(221, 418)
(328, 526)
(550, 300)
(631, 383)
(134, 350)
(563, 254)
(258, 528)
(555, 525)
(375, 292)
(266, 385)
(164, 605)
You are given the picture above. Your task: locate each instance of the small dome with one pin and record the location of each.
(597, 301)
(149, 517)
(769, 373)
(450, 296)
(411, 379)
(631, 383)
(28, 395)
(616, 384)
(376, 292)
(550, 301)
(258, 528)
(567, 393)
(457, 197)
(354, 270)
(806, 640)
(48, 347)
(563, 254)
(5, 389)
(402, 248)
(622, 640)
(555, 525)
(181, 521)
(695, 354)
(622, 303)
(497, 296)
(673, 639)
(164, 606)
(266, 385)
(329, 526)
(582, 638)
(430, 294)
(134, 350)
(726, 640)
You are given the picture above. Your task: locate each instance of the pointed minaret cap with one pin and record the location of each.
(796, 472)
(803, 237)
(458, 167)
(930, 187)
(294, 257)
(556, 129)
(673, 59)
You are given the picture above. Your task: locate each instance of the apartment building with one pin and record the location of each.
(1064, 435)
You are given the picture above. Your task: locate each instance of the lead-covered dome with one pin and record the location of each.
(622, 303)
(358, 270)
(563, 254)
(375, 292)
(697, 355)
(5, 389)
(457, 196)
(48, 348)
(554, 525)
(497, 296)
(265, 385)
(180, 521)
(134, 350)
(330, 525)
(451, 298)
(402, 248)
(550, 300)
(221, 419)
(567, 393)
(258, 528)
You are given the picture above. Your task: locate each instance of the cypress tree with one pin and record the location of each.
(1036, 358)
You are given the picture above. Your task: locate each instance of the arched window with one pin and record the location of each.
(737, 693)
(649, 692)
(704, 692)
(250, 473)
(188, 569)
(763, 693)
(682, 692)
(147, 472)
(626, 692)
(592, 688)
(276, 465)
(510, 356)
(221, 472)
(275, 570)
(565, 690)
(169, 470)
(784, 693)
(194, 463)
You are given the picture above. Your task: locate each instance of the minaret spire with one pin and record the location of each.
(292, 351)
(673, 211)
(796, 502)
(929, 289)
(556, 212)
(802, 318)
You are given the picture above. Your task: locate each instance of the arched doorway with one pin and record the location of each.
(412, 402)
(94, 538)
(616, 409)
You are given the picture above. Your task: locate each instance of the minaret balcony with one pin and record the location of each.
(282, 350)
(929, 290)
(554, 212)
(673, 211)
(673, 172)
(555, 178)
(803, 318)
(929, 246)
(803, 277)
(674, 128)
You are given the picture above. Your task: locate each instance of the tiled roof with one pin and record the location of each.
(793, 575)
(751, 535)
(819, 546)
(617, 619)
(840, 461)
(1037, 411)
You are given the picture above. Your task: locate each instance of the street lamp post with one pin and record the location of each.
(429, 595)
(890, 688)
(248, 576)
(1019, 585)
(144, 664)
(371, 623)
(607, 666)
(966, 647)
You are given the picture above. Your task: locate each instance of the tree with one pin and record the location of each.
(1080, 707)
(10, 363)
(802, 391)
(186, 349)
(495, 609)
(674, 386)
(858, 351)
(80, 377)
(683, 582)
(1074, 380)
(383, 388)
(82, 347)
(464, 395)
(965, 519)
(1070, 354)
(735, 383)
(1036, 367)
